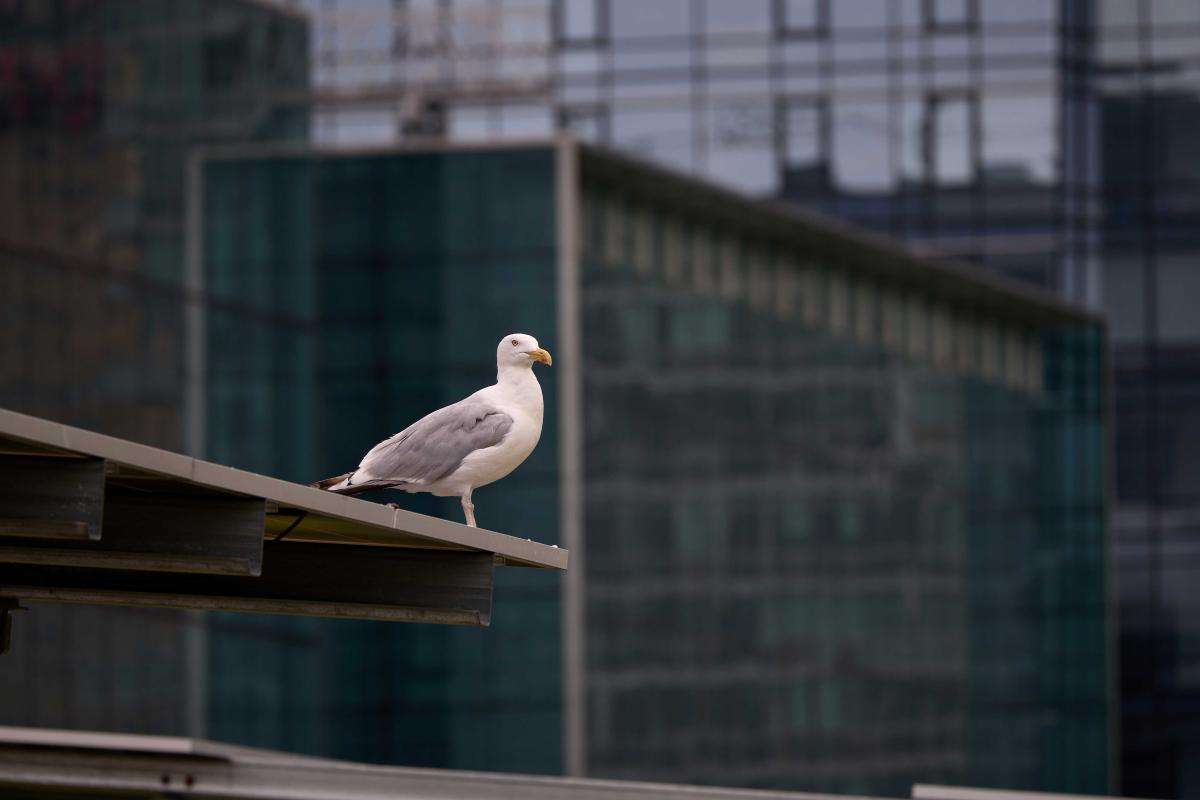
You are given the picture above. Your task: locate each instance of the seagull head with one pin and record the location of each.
(520, 350)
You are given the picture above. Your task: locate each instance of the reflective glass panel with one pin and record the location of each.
(951, 146)
(578, 19)
(632, 19)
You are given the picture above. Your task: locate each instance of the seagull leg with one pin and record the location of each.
(469, 509)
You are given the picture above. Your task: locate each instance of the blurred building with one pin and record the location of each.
(101, 102)
(1052, 140)
(837, 514)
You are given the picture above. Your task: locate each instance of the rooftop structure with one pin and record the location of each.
(48, 763)
(87, 518)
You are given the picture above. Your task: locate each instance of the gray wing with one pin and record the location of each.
(433, 446)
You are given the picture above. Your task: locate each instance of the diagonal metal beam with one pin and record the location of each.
(358, 582)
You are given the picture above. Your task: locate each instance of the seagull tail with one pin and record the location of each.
(338, 485)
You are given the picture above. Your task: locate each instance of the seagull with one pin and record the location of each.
(469, 444)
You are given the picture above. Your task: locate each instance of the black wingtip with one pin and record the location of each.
(327, 482)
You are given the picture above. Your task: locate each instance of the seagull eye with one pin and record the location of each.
(514, 341)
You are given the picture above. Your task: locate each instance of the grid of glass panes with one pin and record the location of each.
(839, 529)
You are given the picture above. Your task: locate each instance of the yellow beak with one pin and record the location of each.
(541, 355)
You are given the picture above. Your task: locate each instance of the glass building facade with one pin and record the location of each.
(1147, 93)
(843, 532)
(839, 517)
(1050, 140)
(101, 102)
(365, 292)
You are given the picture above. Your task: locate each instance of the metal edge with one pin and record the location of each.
(926, 791)
(86, 761)
(123, 742)
(258, 150)
(204, 473)
(292, 607)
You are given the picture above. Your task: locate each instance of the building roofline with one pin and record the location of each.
(257, 150)
(868, 250)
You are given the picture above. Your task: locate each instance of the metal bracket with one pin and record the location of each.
(7, 606)
(357, 582)
(51, 497)
(185, 532)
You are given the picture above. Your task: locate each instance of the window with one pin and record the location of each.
(1033, 365)
(739, 150)
(578, 21)
(758, 278)
(634, 19)
(226, 60)
(989, 351)
(942, 335)
(801, 130)
(866, 316)
(663, 133)
(723, 17)
(673, 235)
(839, 304)
(861, 144)
(614, 232)
(813, 296)
(1019, 138)
(851, 15)
(966, 349)
(586, 122)
(525, 120)
(949, 13)
(892, 313)
(731, 268)
(802, 17)
(784, 290)
(1014, 359)
(951, 145)
(917, 327)
(643, 239)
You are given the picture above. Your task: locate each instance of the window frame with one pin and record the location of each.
(599, 25)
(934, 102)
(787, 103)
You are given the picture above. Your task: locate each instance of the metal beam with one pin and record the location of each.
(51, 497)
(7, 606)
(330, 517)
(36, 763)
(194, 532)
(409, 585)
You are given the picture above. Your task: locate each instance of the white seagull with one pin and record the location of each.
(469, 444)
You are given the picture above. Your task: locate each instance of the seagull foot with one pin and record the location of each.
(394, 505)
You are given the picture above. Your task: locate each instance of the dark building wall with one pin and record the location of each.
(100, 105)
(379, 287)
(1151, 252)
(843, 534)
